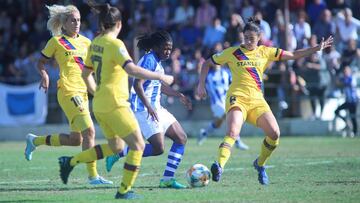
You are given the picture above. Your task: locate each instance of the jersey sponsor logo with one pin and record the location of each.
(248, 63)
(68, 46)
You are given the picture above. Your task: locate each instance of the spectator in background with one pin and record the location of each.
(313, 71)
(234, 30)
(189, 36)
(162, 15)
(264, 26)
(324, 27)
(302, 30)
(346, 29)
(205, 14)
(332, 60)
(337, 6)
(315, 9)
(348, 82)
(213, 34)
(351, 56)
(247, 9)
(183, 13)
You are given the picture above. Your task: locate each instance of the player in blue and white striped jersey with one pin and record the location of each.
(217, 84)
(154, 120)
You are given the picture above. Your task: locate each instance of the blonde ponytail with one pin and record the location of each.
(58, 16)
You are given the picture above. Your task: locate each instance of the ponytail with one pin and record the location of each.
(253, 24)
(108, 15)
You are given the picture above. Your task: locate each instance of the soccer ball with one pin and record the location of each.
(198, 175)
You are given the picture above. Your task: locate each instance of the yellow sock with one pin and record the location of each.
(95, 153)
(91, 168)
(225, 150)
(131, 170)
(267, 148)
(50, 140)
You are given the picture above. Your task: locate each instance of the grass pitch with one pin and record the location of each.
(302, 169)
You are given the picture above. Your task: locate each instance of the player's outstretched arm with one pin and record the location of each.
(287, 55)
(200, 91)
(141, 73)
(89, 80)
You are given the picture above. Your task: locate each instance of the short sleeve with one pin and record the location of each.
(122, 56)
(273, 54)
(220, 58)
(49, 50)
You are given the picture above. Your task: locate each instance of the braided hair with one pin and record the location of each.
(148, 41)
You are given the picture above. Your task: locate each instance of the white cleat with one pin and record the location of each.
(240, 145)
(30, 146)
(98, 180)
(202, 136)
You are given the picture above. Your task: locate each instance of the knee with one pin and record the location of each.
(232, 132)
(274, 134)
(89, 134)
(181, 139)
(158, 149)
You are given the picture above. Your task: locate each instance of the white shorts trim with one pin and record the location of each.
(150, 127)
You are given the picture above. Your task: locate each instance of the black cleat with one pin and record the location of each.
(65, 168)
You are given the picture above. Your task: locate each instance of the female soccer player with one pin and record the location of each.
(217, 84)
(155, 121)
(245, 100)
(110, 61)
(69, 48)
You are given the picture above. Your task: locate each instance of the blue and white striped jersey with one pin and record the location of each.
(217, 84)
(152, 88)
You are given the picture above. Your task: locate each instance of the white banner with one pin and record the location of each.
(22, 105)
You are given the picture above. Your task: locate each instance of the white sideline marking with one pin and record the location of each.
(153, 174)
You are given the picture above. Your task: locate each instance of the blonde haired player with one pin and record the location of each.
(109, 60)
(69, 49)
(245, 100)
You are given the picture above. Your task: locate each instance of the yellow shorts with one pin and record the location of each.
(252, 109)
(119, 122)
(76, 108)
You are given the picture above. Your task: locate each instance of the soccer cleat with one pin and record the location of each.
(98, 180)
(216, 171)
(128, 195)
(110, 161)
(262, 176)
(65, 168)
(241, 145)
(172, 183)
(30, 146)
(202, 136)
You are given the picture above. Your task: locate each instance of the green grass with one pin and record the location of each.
(303, 169)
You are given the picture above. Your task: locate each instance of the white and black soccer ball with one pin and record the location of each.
(198, 175)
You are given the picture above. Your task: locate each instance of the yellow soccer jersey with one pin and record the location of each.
(107, 57)
(70, 54)
(247, 68)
